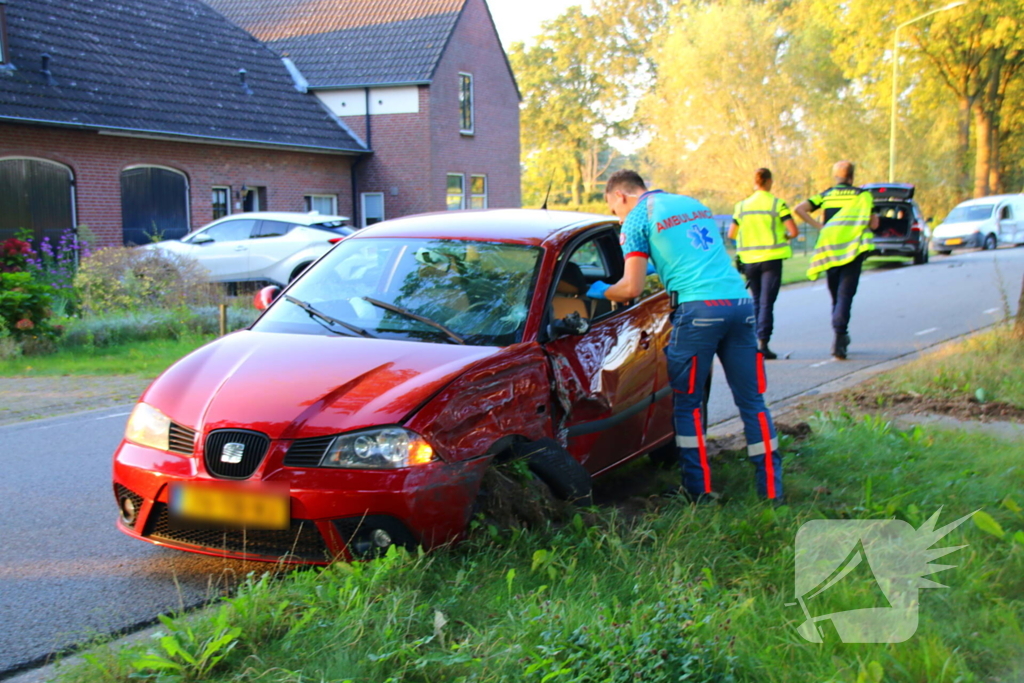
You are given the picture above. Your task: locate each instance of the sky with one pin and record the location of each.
(520, 20)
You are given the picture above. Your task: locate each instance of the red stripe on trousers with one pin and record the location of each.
(702, 449)
(769, 466)
(762, 382)
(693, 373)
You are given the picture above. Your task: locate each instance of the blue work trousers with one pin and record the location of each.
(702, 329)
(842, 285)
(763, 281)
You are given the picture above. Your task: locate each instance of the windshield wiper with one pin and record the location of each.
(409, 314)
(317, 313)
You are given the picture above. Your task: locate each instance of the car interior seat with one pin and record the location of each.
(569, 294)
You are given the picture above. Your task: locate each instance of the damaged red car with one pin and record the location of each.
(363, 407)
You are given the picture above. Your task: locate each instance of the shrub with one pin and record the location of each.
(130, 326)
(25, 307)
(14, 254)
(130, 279)
(9, 347)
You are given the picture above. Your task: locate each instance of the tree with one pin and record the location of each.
(724, 104)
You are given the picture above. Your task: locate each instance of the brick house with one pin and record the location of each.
(106, 121)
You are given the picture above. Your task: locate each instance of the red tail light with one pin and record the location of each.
(916, 227)
(335, 240)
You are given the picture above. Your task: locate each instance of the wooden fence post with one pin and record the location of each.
(223, 319)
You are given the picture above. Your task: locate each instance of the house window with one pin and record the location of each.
(221, 200)
(466, 104)
(323, 204)
(373, 207)
(456, 198)
(478, 192)
(254, 198)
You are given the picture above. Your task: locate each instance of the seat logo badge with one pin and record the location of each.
(232, 453)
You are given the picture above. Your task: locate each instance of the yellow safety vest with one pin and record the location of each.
(762, 237)
(844, 237)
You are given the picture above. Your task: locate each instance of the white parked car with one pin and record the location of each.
(260, 246)
(985, 223)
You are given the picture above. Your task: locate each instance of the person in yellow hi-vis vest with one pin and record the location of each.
(762, 227)
(843, 243)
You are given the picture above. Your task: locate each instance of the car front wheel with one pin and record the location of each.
(990, 242)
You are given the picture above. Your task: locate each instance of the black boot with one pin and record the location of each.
(840, 345)
(762, 347)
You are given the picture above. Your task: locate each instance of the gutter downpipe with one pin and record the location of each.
(356, 218)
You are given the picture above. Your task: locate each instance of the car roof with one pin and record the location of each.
(529, 226)
(991, 199)
(296, 217)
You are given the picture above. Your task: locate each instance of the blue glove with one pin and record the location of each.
(597, 290)
(650, 268)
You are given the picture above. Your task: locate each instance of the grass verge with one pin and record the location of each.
(145, 358)
(673, 593)
(988, 366)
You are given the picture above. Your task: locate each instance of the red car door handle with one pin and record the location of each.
(645, 340)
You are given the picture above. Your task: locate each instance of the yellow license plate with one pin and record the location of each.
(955, 240)
(250, 509)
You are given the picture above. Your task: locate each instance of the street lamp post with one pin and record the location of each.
(895, 67)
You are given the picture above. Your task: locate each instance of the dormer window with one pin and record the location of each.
(466, 104)
(4, 45)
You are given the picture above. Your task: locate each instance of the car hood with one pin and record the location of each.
(295, 386)
(958, 229)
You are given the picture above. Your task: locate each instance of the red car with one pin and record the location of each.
(365, 404)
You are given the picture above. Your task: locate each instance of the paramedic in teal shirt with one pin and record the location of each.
(713, 314)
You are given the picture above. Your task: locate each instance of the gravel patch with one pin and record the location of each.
(32, 398)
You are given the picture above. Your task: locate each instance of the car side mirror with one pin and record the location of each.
(202, 239)
(573, 324)
(265, 297)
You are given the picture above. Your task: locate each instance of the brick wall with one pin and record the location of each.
(493, 150)
(413, 153)
(400, 165)
(97, 161)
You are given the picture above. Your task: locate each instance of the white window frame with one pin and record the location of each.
(226, 188)
(462, 196)
(475, 196)
(472, 105)
(362, 206)
(334, 203)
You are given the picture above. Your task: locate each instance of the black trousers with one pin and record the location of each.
(764, 280)
(842, 284)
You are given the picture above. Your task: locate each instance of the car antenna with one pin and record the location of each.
(547, 194)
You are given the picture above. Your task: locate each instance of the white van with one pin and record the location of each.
(986, 223)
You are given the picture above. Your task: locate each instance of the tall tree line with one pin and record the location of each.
(697, 94)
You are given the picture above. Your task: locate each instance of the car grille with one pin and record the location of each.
(307, 452)
(301, 541)
(253, 446)
(182, 440)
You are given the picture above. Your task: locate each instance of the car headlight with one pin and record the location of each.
(385, 448)
(147, 426)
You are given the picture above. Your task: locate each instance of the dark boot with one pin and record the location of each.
(762, 348)
(840, 345)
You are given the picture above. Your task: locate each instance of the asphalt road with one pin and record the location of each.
(67, 574)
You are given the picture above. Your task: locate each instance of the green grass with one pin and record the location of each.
(795, 269)
(992, 361)
(673, 594)
(146, 358)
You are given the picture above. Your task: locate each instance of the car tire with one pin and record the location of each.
(990, 242)
(944, 252)
(562, 473)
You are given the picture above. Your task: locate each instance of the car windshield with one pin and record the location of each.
(967, 214)
(432, 290)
